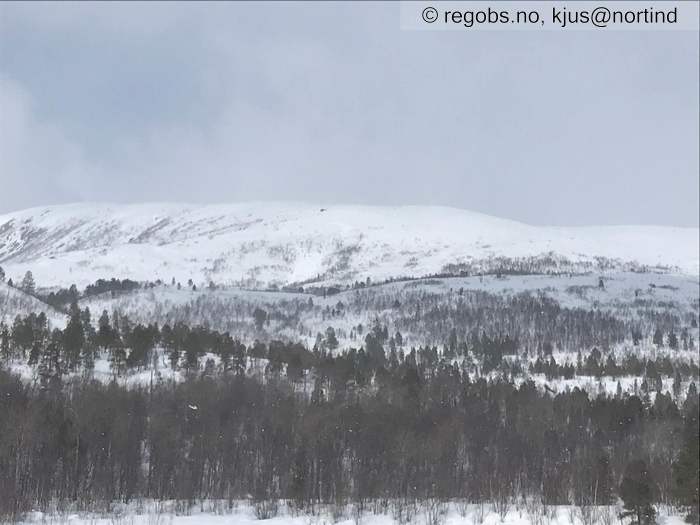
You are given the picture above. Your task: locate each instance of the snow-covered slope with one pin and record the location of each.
(15, 302)
(257, 244)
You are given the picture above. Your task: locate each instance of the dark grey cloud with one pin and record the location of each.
(333, 102)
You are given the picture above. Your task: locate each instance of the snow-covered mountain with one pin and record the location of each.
(258, 244)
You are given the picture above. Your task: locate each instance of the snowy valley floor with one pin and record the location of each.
(426, 513)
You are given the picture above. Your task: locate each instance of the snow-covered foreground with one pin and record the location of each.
(425, 513)
(254, 244)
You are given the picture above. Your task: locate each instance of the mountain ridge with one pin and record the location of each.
(263, 243)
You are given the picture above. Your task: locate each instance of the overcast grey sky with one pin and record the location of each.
(334, 103)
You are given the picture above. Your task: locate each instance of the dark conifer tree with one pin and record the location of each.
(687, 467)
(637, 493)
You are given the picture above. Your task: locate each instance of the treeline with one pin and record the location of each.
(134, 346)
(65, 296)
(652, 371)
(408, 432)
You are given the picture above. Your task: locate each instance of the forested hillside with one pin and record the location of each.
(510, 382)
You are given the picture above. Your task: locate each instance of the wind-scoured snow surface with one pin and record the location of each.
(258, 244)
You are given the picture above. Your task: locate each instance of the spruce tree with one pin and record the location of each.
(74, 336)
(28, 285)
(331, 341)
(687, 466)
(4, 342)
(658, 337)
(636, 491)
(259, 317)
(673, 340)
